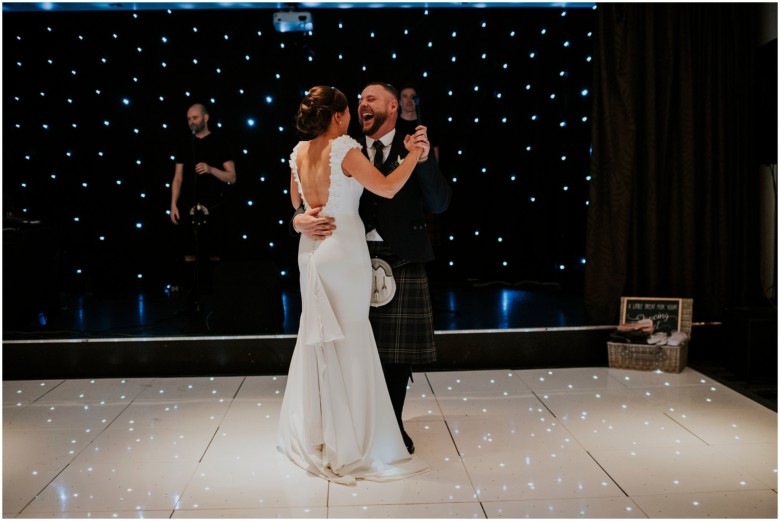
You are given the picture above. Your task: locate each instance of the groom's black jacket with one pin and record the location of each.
(401, 220)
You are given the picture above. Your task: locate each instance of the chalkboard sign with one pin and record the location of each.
(666, 313)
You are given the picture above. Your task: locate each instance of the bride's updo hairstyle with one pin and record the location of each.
(317, 109)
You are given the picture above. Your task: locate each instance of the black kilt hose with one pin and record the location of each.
(403, 328)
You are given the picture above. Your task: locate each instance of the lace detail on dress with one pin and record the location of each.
(340, 196)
(294, 168)
(338, 200)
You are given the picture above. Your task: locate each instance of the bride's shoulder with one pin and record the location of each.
(341, 146)
(346, 142)
(296, 148)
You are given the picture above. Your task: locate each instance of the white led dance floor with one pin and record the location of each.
(561, 443)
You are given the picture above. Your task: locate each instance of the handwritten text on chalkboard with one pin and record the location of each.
(665, 313)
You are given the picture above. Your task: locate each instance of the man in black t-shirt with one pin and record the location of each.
(204, 170)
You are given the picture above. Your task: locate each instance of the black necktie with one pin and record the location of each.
(378, 153)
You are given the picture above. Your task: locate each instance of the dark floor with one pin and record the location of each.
(475, 307)
(169, 313)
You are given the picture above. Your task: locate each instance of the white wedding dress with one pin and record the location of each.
(337, 420)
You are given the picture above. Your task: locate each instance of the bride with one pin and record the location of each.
(336, 419)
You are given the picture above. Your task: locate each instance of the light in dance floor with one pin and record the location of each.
(557, 443)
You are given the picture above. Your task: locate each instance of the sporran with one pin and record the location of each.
(382, 283)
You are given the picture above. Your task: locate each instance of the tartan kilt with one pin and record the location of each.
(403, 328)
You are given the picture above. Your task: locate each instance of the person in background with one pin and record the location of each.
(411, 115)
(409, 118)
(204, 168)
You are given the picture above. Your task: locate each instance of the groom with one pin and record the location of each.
(396, 232)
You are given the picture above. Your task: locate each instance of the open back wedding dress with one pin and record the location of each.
(336, 419)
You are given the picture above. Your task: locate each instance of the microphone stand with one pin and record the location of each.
(195, 226)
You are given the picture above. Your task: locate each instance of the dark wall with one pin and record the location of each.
(95, 102)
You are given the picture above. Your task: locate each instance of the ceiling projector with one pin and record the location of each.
(288, 21)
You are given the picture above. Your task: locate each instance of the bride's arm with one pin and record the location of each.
(356, 165)
(294, 195)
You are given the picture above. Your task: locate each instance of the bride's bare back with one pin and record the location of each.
(314, 171)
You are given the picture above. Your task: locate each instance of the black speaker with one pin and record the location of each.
(247, 298)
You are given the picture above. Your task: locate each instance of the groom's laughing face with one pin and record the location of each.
(375, 108)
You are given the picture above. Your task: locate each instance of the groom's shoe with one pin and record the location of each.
(408, 441)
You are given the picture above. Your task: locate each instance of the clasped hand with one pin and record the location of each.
(420, 141)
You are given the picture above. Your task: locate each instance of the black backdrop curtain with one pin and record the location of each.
(674, 191)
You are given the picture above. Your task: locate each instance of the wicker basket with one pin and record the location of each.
(647, 357)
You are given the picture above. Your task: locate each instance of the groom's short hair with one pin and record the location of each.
(389, 88)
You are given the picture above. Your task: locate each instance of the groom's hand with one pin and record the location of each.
(420, 139)
(312, 225)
